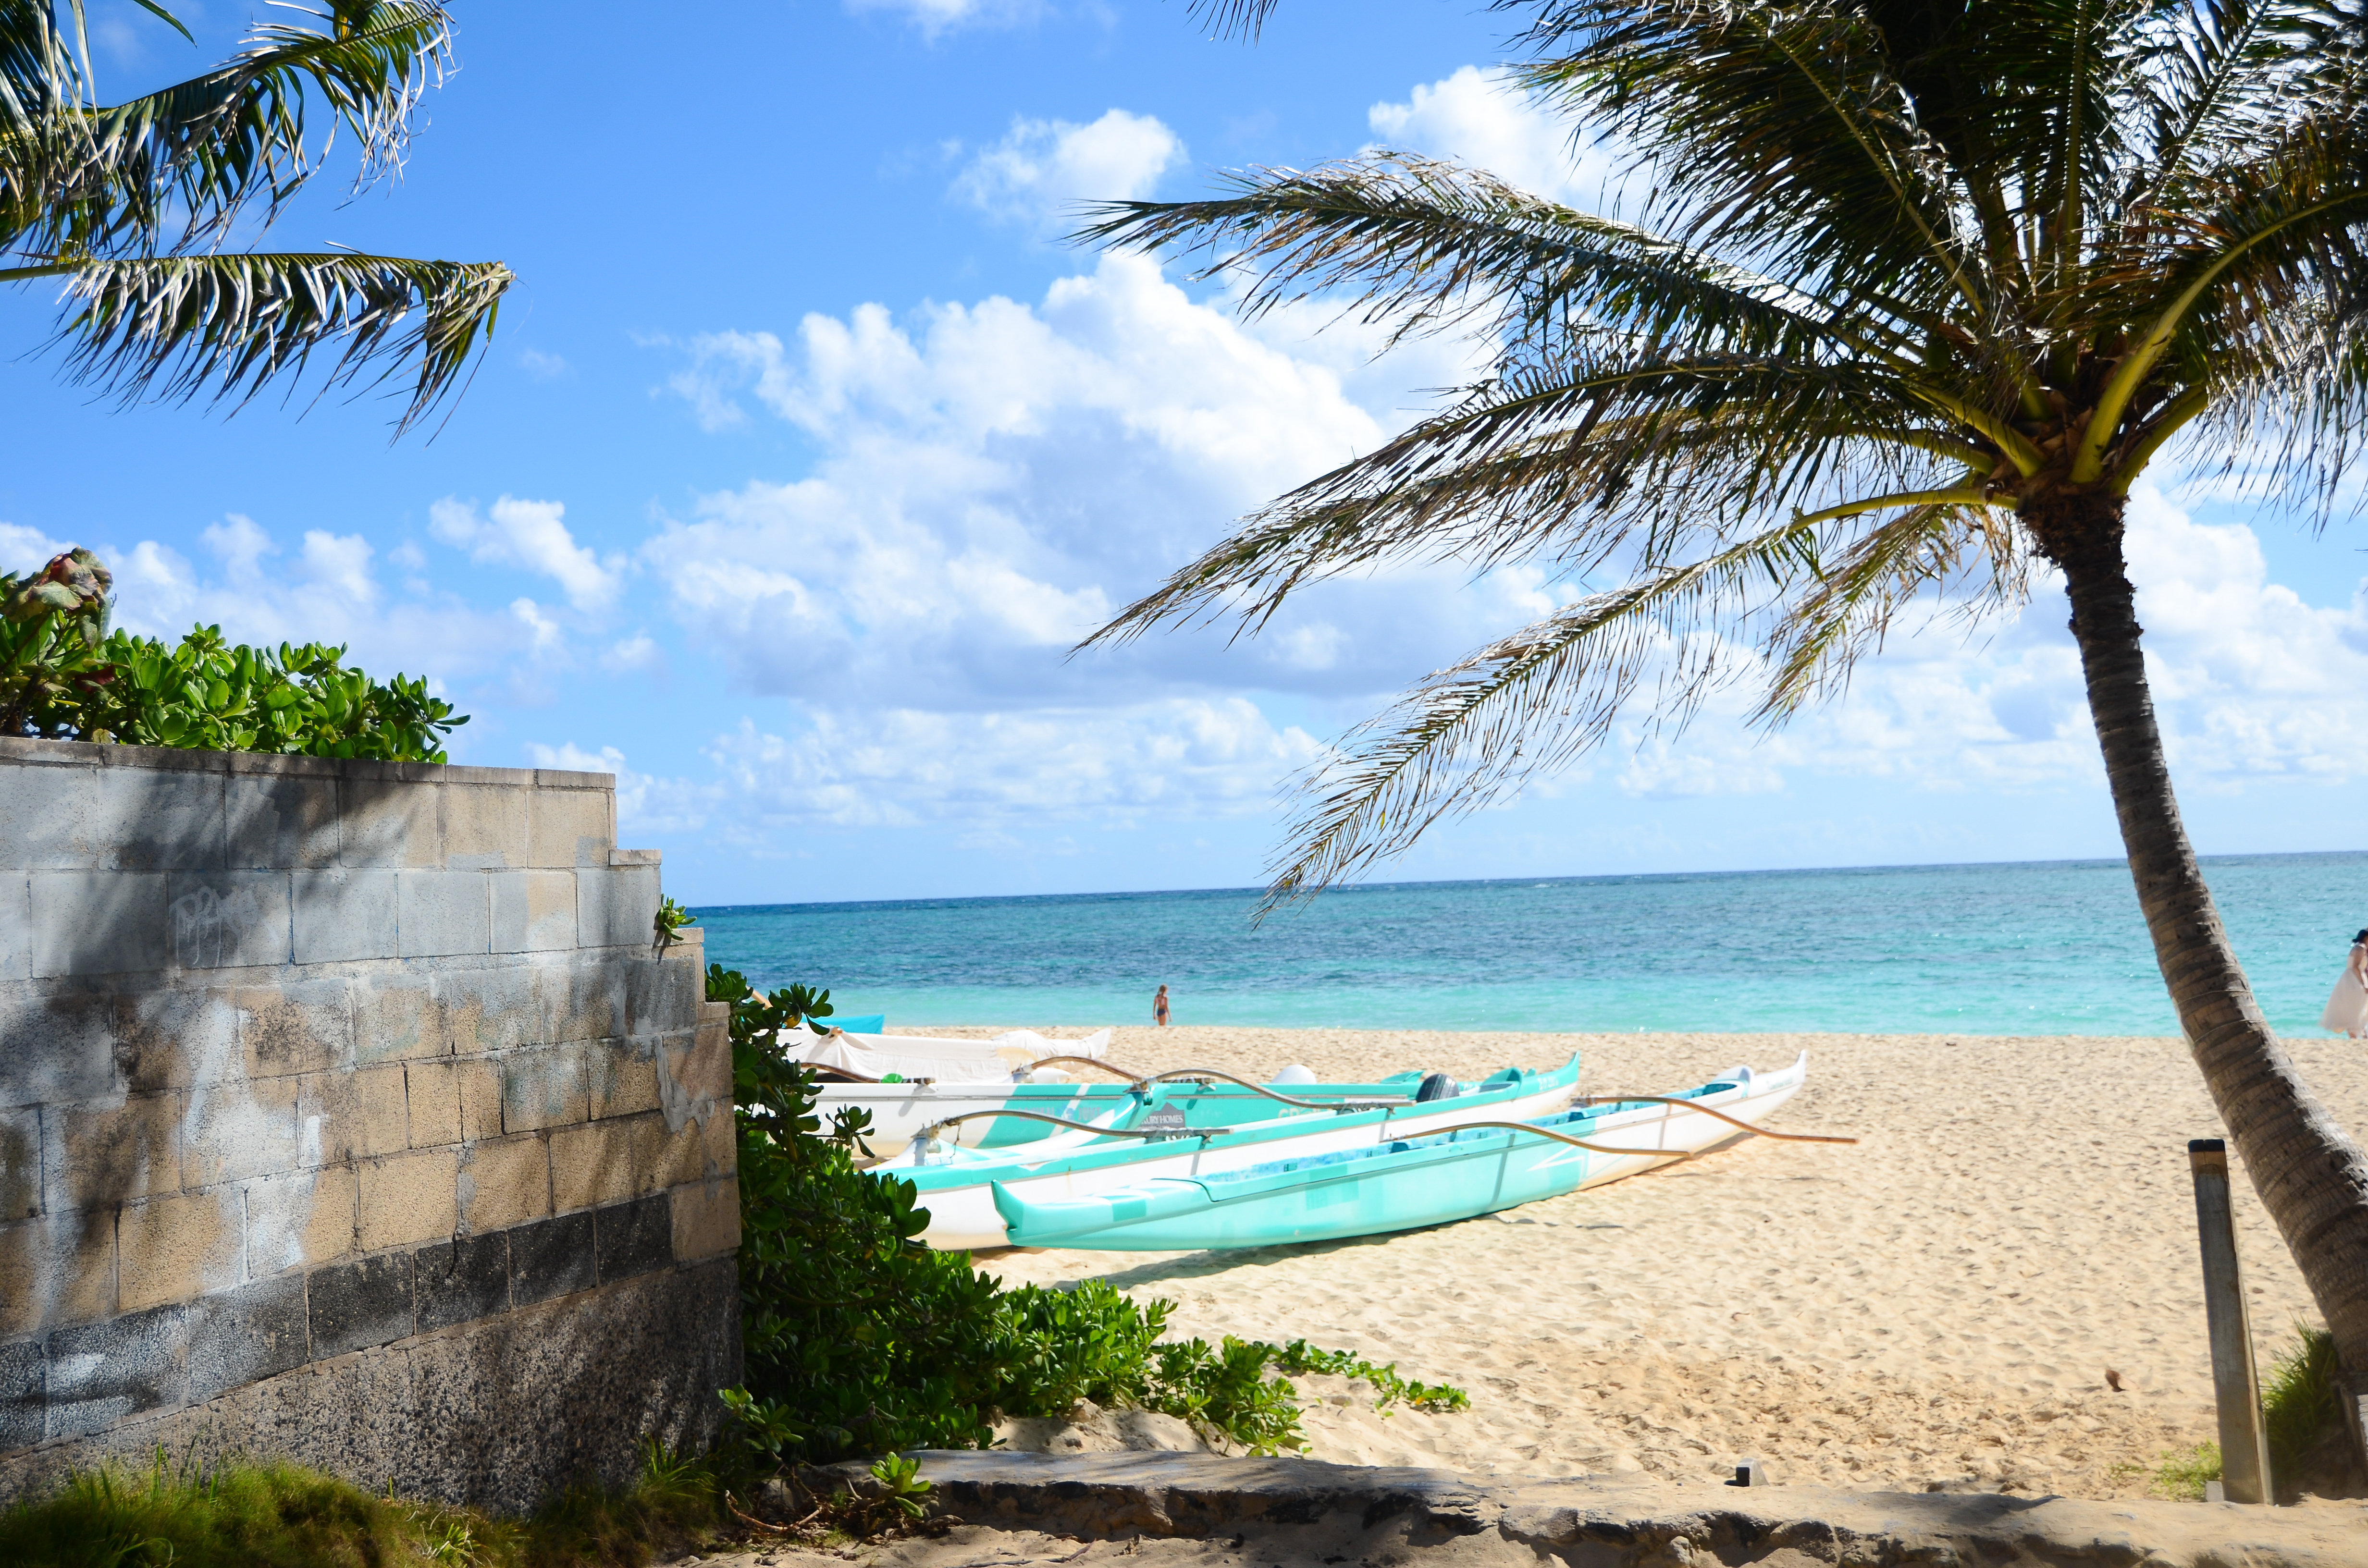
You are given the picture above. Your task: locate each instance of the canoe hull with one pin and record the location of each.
(965, 1216)
(1427, 1182)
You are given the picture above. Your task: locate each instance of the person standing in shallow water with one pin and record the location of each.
(1159, 1002)
(2346, 1010)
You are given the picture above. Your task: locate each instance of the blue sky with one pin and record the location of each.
(804, 452)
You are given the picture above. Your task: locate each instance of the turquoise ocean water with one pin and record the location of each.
(2055, 947)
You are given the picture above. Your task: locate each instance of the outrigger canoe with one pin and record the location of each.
(1207, 1128)
(1403, 1185)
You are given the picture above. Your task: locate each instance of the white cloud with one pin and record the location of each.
(24, 549)
(1043, 168)
(1479, 117)
(531, 536)
(936, 16)
(544, 366)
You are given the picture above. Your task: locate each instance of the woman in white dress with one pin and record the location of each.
(2346, 1010)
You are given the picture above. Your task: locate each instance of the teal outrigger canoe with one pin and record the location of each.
(1219, 1130)
(1404, 1185)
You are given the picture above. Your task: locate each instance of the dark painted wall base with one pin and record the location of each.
(496, 1413)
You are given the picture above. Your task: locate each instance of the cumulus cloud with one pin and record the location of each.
(530, 536)
(1480, 117)
(1043, 168)
(933, 17)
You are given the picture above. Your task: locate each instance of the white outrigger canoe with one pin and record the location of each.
(1457, 1172)
(958, 1186)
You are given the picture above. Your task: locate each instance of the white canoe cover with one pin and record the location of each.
(874, 1056)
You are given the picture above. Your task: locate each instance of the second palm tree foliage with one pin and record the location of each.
(129, 206)
(1916, 294)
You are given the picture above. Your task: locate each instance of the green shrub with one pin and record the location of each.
(861, 1339)
(2302, 1403)
(245, 1515)
(65, 677)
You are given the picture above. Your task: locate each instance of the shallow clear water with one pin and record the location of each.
(2054, 947)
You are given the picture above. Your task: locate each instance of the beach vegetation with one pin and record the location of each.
(130, 209)
(858, 1338)
(240, 1513)
(2181, 1473)
(64, 676)
(1897, 306)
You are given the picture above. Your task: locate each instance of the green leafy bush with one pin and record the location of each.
(860, 1339)
(65, 677)
(240, 1514)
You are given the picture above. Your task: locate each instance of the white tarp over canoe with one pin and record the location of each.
(874, 1056)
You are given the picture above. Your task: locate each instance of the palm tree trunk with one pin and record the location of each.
(2311, 1177)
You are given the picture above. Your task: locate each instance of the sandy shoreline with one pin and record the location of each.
(1935, 1307)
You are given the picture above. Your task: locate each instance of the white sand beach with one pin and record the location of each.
(1938, 1306)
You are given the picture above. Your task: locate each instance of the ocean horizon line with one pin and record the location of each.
(2085, 862)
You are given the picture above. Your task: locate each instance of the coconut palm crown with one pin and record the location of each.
(131, 206)
(1919, 290)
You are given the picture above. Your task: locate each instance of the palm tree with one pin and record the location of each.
(131, 206)
(1919, 292)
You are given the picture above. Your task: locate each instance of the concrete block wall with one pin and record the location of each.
(346, 1112)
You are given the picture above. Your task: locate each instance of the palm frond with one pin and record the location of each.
(1465, 735)
(225, 326)
(1427, 243)
(102, 180)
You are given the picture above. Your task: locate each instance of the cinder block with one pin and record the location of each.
(543, 1088)
(229, 919)
(454, 1101)
(706, 1221)
(534, 912)
(301, 1219)
(244, 1335)
(281, 823)
(552, 1258)
(581, 997)
(352, 1114)
(239, 1129)
(42, 819)
(634, 1238)
(616, 906)
(144, 819)
(719, 1143)
(360, 1304)
(388, 823)
(504, 1183)
(682, 1155)
(622, 1076)
(58, 1268)
(606, 1161)
(105, 1372)
(571, 827)
(24, 1393)
(661, 997)
(172, 1037)
(396, 1019)
(488, 1006)
(409, 1198)
(704, 1071)
(105, 1155)
(341, 916)
(442, 913)
(16, 925)
(56, 1048)
(20, 1164)
(171, 1249)
(484, 826)
(299, 1026)
(99, 922)
(461, 1280)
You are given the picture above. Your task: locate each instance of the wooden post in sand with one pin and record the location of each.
(2244, 1445)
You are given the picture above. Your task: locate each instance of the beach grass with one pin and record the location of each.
(252, 1514)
